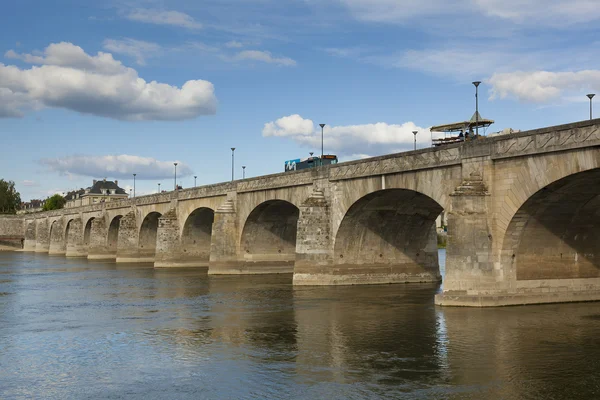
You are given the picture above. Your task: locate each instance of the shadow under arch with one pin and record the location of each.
(554, 234)
(196, 236)
(388, 236)
(147, 237)
(87, 231)
(113, 235)
(268, 241)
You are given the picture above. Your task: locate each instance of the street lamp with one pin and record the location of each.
(175, 178)
(134, 184)
(243, 172)
(591, 96)
(311, 153)
(195, 176)
(322, 126)
(476, 83)
(232, 162)
(159, 188)
(415, 133)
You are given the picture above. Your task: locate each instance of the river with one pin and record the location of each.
(76, 329)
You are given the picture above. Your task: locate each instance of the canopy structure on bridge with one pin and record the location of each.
(464, 128)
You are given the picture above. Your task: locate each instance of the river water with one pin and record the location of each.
(73, 329)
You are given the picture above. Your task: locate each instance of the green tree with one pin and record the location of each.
(54, 203)
(10, 199)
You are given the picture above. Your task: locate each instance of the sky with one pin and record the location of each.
(92, 90)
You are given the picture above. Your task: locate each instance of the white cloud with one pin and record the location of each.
(263, 56)
(542, 86)
(161, 17)
(234, 44)
(71, 79)
(521, 12)
(137, 49)
(116, 166)
(356, 140)
(30, 183)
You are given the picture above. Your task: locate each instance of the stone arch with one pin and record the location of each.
(554, 233)
(389, 236)
(196, 235)
(268, 240)
(113, 235)
(147, 236)
(517, 180)
(87, 232)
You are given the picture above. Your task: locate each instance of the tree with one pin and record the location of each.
(10, 199)
(54, 203)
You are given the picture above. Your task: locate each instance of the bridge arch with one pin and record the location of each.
(113, 234)
(390, 236)
(147, 236)
(268, 240)
(87, 232)
(196, 235)
(554, 233)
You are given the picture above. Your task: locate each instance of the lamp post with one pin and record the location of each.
(130, 192)
(415, 133)
(591, 96)
(243, 172)
(175, 178)
(159, 188)
(476, 83)
(134, 184)
(322, 126)
(232, 162)
(195, 176)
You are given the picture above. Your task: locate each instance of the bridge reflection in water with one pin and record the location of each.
(91, 329)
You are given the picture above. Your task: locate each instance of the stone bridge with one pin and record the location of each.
(523, 218)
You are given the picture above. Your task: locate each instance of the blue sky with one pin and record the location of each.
(90, 90)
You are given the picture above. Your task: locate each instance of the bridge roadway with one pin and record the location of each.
(522, 211)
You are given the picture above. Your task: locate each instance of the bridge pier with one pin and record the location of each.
(128, 237)
(42, 236)
(224, 248)
(57, 239)
(30, 231)
(168, 243)
(98, 249)
(75, 239)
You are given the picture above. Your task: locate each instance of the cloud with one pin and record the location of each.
(116, 166)
(263, 56)
(30, 183)
(137, 49)
(520, 12)
(233, 44)
(348, 140)
(542, 86)
(160, 17)
(99, 85)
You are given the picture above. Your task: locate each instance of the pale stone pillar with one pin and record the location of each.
(470, 271)
(314, 242)
(30, 231)
(127, 242)
(168, 249)
(58, 244)
(224, 257)
(42, 236)
(75, 245)
(98, 250)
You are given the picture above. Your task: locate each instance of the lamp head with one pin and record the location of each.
(175, 164)
(477, 83)
(322, 125)
(591, 95)
(415, 133)
(233, 149)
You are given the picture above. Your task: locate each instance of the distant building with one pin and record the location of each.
(102, 191)
(31, 206)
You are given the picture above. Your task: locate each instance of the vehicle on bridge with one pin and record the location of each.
(465, 130)
(310, 162)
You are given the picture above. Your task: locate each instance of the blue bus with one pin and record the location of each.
(310, 162)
